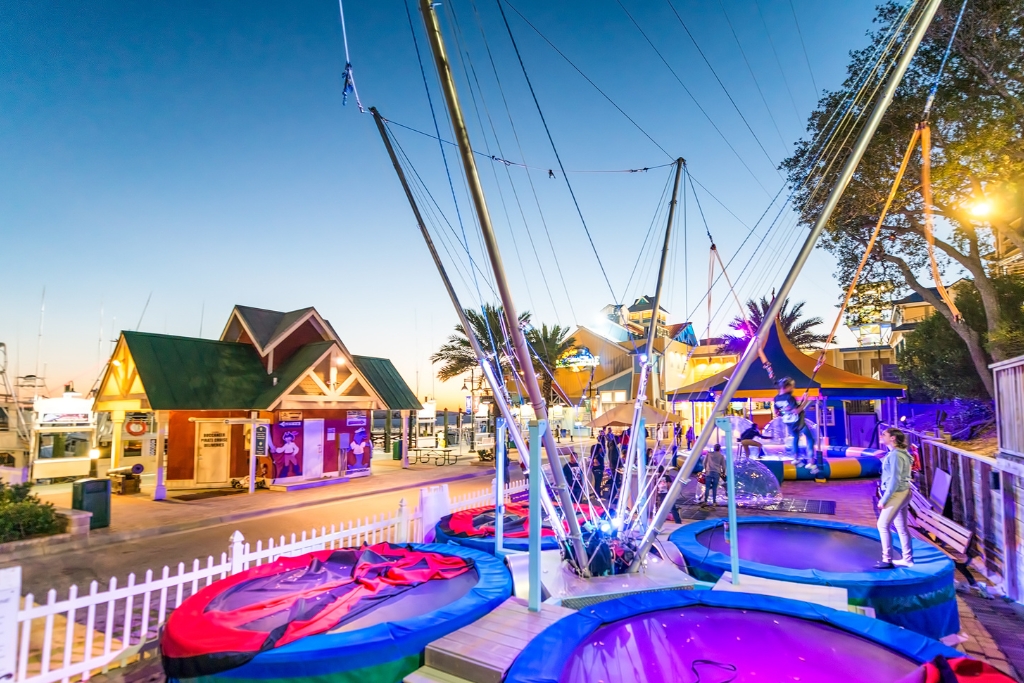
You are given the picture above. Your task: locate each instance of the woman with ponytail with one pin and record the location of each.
(894, 503)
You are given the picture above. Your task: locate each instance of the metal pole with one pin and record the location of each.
(536, 429)
(856, 154)
(647, 360)
(522, 351)
(500, 398)
(500, 458)
(725, 424)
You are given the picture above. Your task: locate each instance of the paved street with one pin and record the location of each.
(61, 570)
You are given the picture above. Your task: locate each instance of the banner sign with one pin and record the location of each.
(355, 418)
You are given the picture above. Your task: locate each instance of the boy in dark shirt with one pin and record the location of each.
(792, 413)
(749, 439)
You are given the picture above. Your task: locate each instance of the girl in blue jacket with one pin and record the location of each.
(894, 503)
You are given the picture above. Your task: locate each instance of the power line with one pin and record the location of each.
(803, 46)
(777, 60)
(692, 97)
(724, 89)
(585, 77)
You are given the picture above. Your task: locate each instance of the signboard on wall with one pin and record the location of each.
(65, 411)
(355, 418)
(261, 440)
(289, 415)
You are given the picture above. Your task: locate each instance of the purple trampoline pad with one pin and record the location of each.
(799, 546)
(712, 645)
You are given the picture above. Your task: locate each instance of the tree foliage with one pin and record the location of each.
(456, 356)
(977, 130)
(798, 329)
(549, 344)
(934, 361)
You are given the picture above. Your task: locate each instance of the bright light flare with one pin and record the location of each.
(981, 208)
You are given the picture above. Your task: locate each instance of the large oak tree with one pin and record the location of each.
(977, 126)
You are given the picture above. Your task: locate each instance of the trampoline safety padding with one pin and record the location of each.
(921, 598)
(351, 615)
(712, 636)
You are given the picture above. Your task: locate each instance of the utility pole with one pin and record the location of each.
(856, 154)
(522, 351)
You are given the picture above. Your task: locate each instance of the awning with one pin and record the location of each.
(788, 361)
(622, 416)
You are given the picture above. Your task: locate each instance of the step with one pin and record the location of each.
(426, 674)
(483, 651)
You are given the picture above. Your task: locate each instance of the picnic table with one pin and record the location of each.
(441, 456)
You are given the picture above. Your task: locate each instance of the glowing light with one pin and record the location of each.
(116, 363)
(617, 523)
(340, 360)
(606, 528)
(94, 454)
(981, 208)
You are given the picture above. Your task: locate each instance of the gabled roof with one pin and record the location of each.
(293, 368)
(184, 373)
(644, 303)
(267, 326)
(385, 380)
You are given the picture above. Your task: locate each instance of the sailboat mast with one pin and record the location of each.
(647, 362)
(485, 367)
(856, 154)
(519, 345)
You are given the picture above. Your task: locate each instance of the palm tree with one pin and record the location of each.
(456, 355)
(549, 345)
(797, 330)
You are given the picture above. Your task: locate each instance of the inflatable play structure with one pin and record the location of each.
(829, 385)
(720, 636)
(349, 616)
(920, 598)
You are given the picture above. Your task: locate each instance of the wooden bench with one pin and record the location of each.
(948, 536)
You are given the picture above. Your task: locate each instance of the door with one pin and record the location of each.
(863, 430)
(312, 449)
(213, 449)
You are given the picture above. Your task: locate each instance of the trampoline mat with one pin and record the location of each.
(797, 546)
(711, 644)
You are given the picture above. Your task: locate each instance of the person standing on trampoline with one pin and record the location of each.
(792, 413)
(894, 504)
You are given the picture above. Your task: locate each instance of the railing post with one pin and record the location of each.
(402, 523)
(236, 552)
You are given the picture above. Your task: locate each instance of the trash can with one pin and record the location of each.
(452, 438)
(396, 450)
(93, 495)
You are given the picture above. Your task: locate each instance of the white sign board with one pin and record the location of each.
(10, 596)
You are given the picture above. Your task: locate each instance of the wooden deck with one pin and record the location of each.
(483, 651)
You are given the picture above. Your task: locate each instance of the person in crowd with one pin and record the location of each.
(614, 455)
(664, 484)
(749, 439)
(573, 477)
(597, 452)
(792, 413)
(714, 472)
(894, 503)
(689, 437)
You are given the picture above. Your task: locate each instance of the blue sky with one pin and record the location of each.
(199, 154)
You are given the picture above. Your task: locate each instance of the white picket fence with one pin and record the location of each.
(83, 634)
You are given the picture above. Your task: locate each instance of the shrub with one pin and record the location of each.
(23, 515)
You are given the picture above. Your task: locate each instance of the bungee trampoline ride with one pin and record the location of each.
(354, 615)
(475, 527)
(719, 636)
(921, 597)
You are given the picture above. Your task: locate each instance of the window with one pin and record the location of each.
(852, 366)
(607, 397)
(620, 397)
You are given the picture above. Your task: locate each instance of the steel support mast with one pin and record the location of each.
(519, 345)
(496, 388)
(647, 362)
(856, 154)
